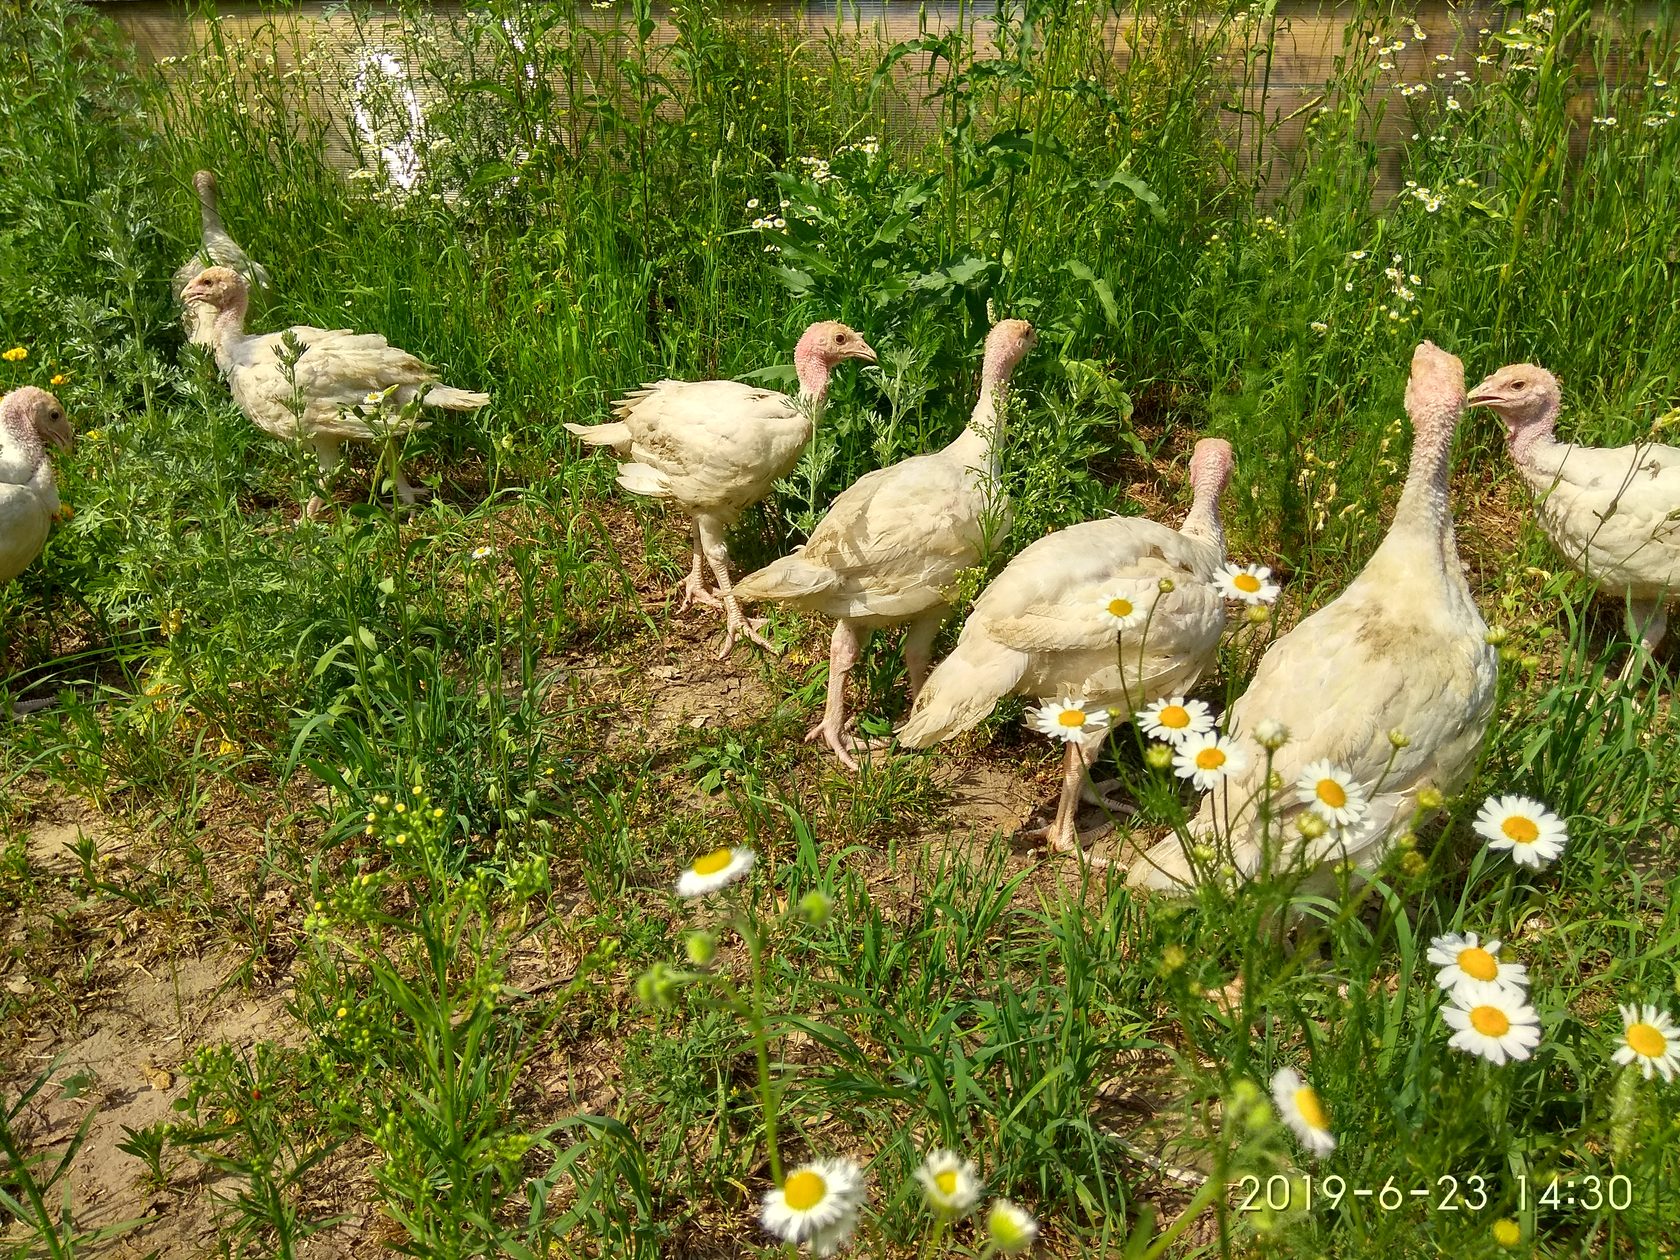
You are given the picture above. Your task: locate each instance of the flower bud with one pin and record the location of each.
(700, 947)
(1159, 756)
(1431, 798)
(1399, 738)
(1496, 635)
(1311, 825)
(1173, 957)
(815, 907)
(1166, 586)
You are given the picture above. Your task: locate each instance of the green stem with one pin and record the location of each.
(761, 1044)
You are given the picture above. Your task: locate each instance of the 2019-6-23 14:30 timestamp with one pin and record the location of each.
(1447, 1193)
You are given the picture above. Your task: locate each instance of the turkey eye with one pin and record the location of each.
(55, 415)
(1519, 384)
(840, 338)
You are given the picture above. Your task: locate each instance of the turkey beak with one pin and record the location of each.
(863, 351)
(59, 433)
(1484, 395)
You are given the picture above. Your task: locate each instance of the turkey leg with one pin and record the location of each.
(693, 587)
(843, 652)
(717, 555)
(918, 649)
(327, 456)
(1063, 832)
(1648, 621)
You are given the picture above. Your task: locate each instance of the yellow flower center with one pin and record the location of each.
(1174, 716)
(1490, 1021)
(713, 862)
(1311, 1109)
(1210, 758)
(804, 1190)
(1331, 793)
(946, 1181)
(1246, 582)
(1071, 717)
(1118, 607)
(1506, 1232)
(1478, 964)
(1520, 830)
(1647, 1040)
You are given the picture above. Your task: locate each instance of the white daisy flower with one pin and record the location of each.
(483, 553)
(1303, 1111)
(1466, 959)
(1650, 1039)
(1067, 719)
(1491, 1021)
(1123, 612)
(1207, 758)
(1330, 792)
(1533, 834)
(950, 1183)
(1175, 720)
(1250, 583)
(714, 870)
(816, 1203)
(1010, 1229)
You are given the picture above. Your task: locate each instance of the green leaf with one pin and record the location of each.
(795, 279)
(1134, 185)
(1103, 290)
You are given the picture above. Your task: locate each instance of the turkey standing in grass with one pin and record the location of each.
(1050, 624)
(353, 387)
(891, 546)
(1403, 649)
(217, 249)
(1613, 513)
(716, 447)
(30, 420)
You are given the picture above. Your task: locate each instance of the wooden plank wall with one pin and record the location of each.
(1305, 39)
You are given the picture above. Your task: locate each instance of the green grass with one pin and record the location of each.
(251, 696)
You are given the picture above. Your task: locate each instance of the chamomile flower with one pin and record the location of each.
(817, 1203)
(1067, 719)
(1533, 834)
(1122, 611)
(1491, 1021)
(1468, 960)
(1271, 734)
(714, 870)
(1207, 758)
(1650, 1039)
(1175, 720)
(950, 1183)
(483, 553)
(1303, 1111)
(1331, 793)
(1250, 583)
(1010, 1229)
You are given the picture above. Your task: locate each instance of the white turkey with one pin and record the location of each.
(892, 544)
(353, 387)
(1614, 513)
(1402, 649)
(713, 448)
(30, 420)
(1065, 613)
(216, 249)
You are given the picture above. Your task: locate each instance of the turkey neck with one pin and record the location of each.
(228, 333)
(813, 373)
(1424, 515)
(209, 218)
(1202, 523)
(21, 433)
(1526, 441)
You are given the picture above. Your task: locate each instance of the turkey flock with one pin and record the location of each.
(1382, 696)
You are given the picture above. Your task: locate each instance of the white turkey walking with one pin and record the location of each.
(1614, 513)
(216, 249)
(1402, 649)
(352, 387)
(30, 420)
(1051, 624)
(892, 544)
(714, 448)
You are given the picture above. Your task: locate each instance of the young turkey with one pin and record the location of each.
(1402, 649)
(891, 546)
(352, 386)
(713, 448)
(30, 420)
(1613, 513)
(1047, 626)
(216, 249)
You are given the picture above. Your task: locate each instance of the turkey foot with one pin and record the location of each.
(739, 623)
(843, 744)
(693, 587)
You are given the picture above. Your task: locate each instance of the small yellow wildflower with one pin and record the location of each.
(17, 354)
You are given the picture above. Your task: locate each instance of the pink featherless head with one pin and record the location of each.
(1006, 345)
(1211, 464)
(205, 182)
(1523, 395)
(220, 287)
(825, 344)
(1435, 391)
(33, 410)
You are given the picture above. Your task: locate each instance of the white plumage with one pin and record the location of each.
(1042, 627)
(1614, 513)
(216, 249)
(30, 419)
(713, 448)
(1403, 648)
(353, 386)
(893, 543)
